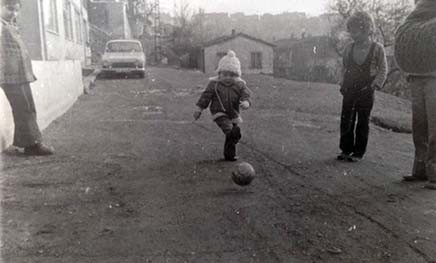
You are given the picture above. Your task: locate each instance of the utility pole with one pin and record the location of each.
(157, 31)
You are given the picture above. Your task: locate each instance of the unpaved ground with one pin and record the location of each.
(135, 180)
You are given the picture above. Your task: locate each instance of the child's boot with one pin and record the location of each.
(232, 138)
(229, 149)
(236, 133)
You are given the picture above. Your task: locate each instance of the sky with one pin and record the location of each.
(311, 7)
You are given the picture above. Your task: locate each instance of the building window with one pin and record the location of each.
(86, 30)
(256, 60)
(78, 26)
(68, 23)
(51, 16)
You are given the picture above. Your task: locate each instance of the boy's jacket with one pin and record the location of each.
(15, 62)
(224, 100)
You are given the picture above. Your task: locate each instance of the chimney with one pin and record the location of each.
(233, 32)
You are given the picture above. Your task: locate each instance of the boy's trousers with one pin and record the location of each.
(356, 107)
(424, 126)
(233, 135)
(20, 98)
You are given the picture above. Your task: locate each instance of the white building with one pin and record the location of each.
(56, 34)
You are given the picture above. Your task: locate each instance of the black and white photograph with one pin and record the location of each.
(227, 131)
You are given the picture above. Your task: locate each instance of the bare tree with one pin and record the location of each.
(139, 13)
(188, 31)
(387, 14)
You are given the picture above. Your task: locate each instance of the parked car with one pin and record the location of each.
(124, 56)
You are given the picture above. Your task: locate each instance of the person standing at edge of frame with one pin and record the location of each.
(16, 74)
(415, 54)
(365, 68)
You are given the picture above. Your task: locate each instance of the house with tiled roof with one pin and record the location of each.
(256, 55)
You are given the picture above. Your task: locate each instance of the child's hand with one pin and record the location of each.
(244, 104)
(197, 114)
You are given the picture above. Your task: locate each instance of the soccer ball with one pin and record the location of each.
(244, 174)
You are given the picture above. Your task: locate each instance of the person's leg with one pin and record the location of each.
(430, 103)
(226, 125)
(363, 109)
(20, 98)
(27, 134)
(420, 130)
(348, 119)
(233, 139)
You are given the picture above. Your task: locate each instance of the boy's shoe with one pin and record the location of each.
(431, 185)
(355, 158)
(231, 159)
(230, 151)
(235, 134)
(232, 138)
(413, 178)
(11, 150)
(38, 149)
(343, 157)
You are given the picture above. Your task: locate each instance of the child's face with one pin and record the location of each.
(227, 77)
(358, 34)
(10, 12)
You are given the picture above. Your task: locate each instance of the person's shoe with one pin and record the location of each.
(343, 157)
(38, 149)
(355, 158)
(11, 150)
(412, 178)
(230, 149)
(235, 134)
(430, 185)
(231, 159)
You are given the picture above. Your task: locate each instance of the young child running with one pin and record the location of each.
(225, 95)
(365, 68)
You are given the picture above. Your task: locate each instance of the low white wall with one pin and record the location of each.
(58, 86)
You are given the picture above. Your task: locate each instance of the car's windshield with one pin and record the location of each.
(123, 47)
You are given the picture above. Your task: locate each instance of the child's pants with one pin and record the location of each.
(233, 135)
(354, 138)
(424, 126)
(20, 98)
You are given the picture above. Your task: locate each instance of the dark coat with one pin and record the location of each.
(222, 99)
(15, 62)
(415, 40)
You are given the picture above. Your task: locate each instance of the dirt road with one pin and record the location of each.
(135, 180)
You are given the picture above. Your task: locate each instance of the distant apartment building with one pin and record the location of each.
(111, 17)
(108, 20)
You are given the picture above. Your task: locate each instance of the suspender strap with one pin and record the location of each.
(219, 98)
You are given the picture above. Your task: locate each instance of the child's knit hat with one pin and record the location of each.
(230, 63)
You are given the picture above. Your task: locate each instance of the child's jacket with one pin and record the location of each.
(15, 62)
(224, 100)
